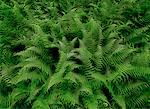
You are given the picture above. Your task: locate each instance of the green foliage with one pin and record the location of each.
(74, 54)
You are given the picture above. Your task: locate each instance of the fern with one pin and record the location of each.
(74, 54)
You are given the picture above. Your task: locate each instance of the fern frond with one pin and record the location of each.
(120, 101)
(67, 97)
(17, 95)
(6, 74)
(92, 35)
(97, 80)
(134, 88)
(34, 62)
(4, 102)
(120, 55)
(142, 59)
(125, 72)
(23, 76)
(90, 102)
(98, 59)
(140, 72)
(140, 102)
(31, 51)
(85, 56)
(33, 90)
(40, 104)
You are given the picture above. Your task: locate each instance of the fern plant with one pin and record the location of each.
(74, 54)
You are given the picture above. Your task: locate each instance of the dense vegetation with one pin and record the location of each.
(74, 54)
